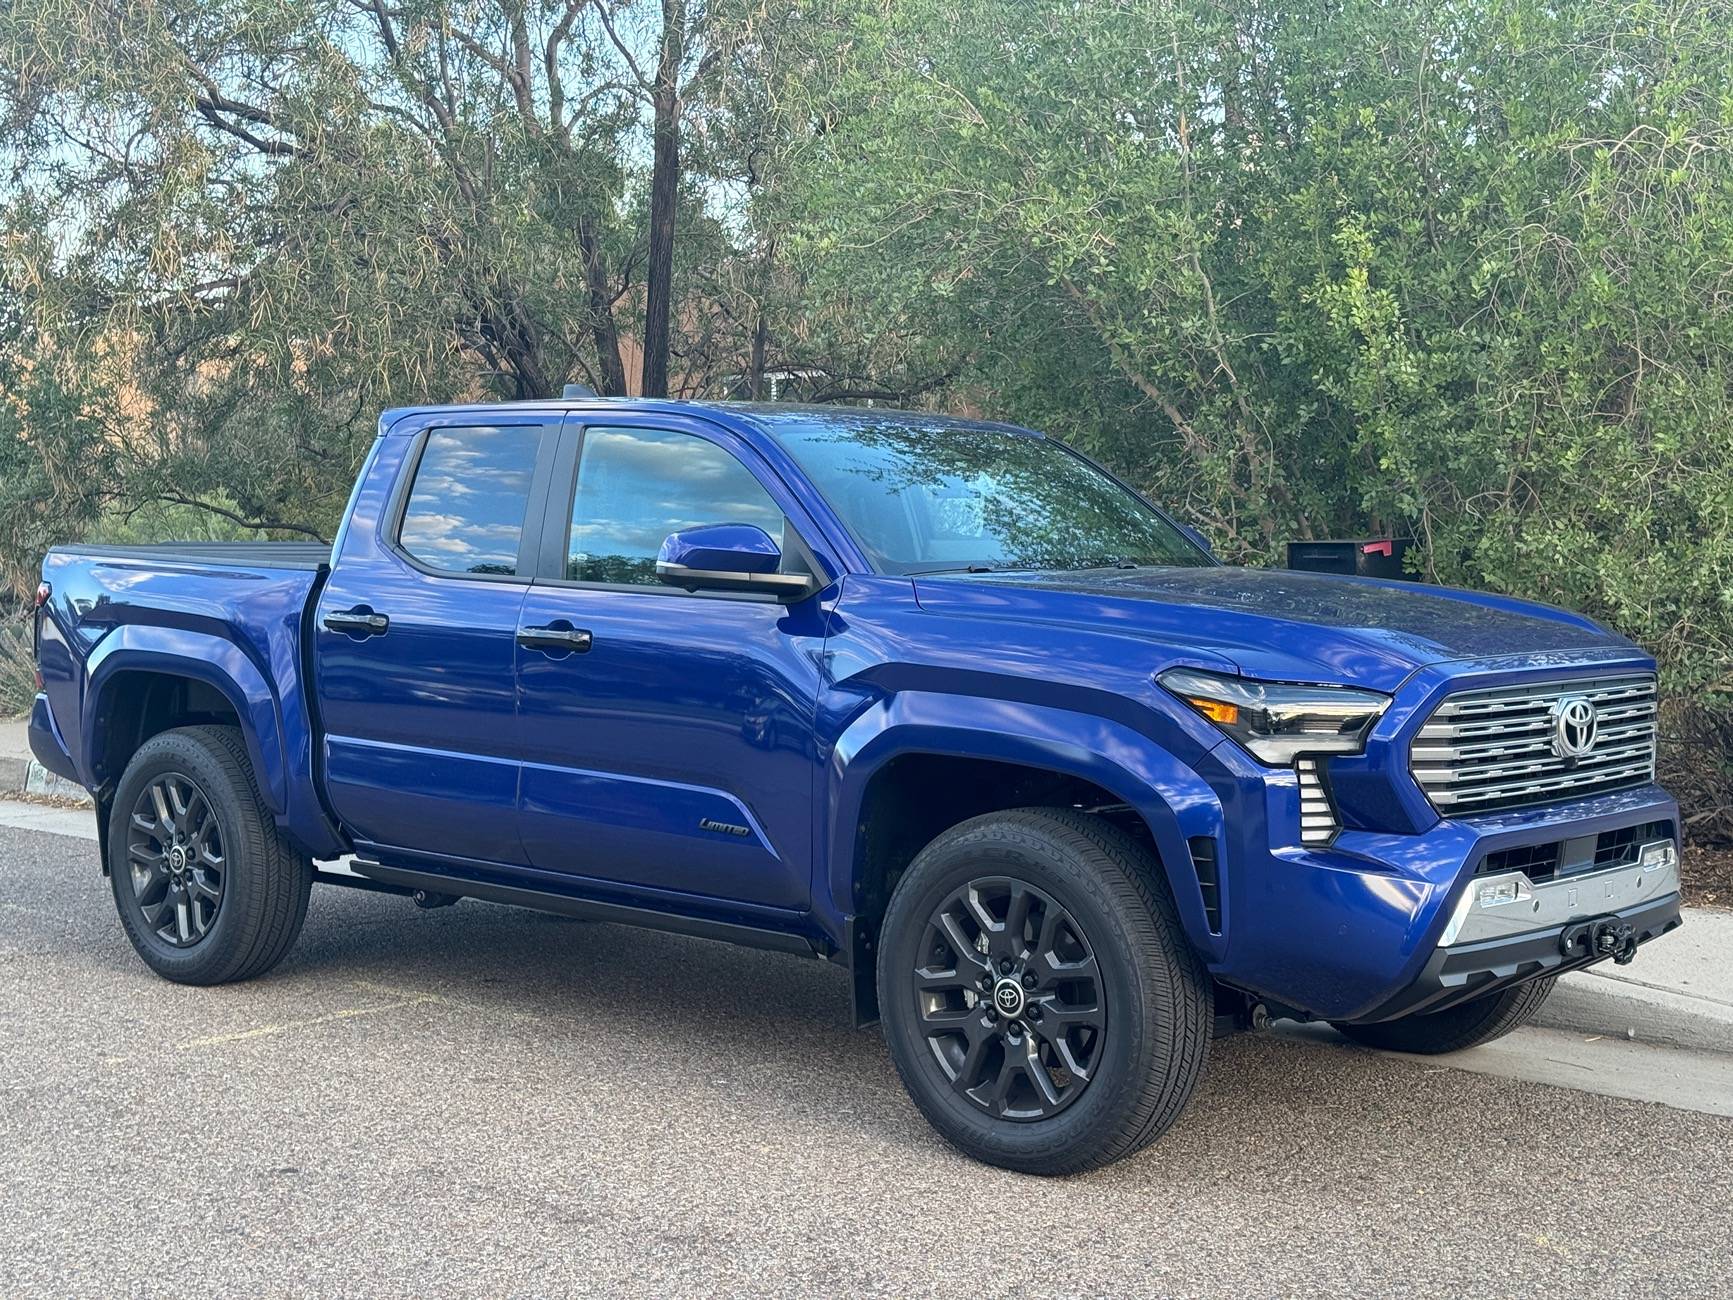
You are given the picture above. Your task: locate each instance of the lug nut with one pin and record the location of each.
(1005, 966)
(1028, 981)
(1034, 1013)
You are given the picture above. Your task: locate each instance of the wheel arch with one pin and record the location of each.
(914, 766)
(137, 691)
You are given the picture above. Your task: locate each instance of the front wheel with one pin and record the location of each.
(208, 890)
(1040, 999)
(1457, 1028)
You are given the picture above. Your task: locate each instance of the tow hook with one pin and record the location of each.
(1606, 937)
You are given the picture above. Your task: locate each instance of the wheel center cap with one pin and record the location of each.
(1008, 997)
(177, 859)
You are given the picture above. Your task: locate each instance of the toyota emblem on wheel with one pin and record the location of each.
(1009, 997)
(1575, 722)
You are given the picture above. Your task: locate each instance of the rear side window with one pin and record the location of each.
(466, 508)
(635, 486)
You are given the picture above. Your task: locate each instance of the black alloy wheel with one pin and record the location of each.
(1010, 1000)
(175, 859)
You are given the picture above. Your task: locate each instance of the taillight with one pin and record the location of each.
(43, 592)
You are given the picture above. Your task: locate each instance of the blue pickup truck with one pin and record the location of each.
(939, 701)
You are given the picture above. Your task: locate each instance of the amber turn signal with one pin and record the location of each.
(1217, 711)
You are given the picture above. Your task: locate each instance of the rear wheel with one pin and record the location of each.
(207, 888)
(1458, 1028)
(1039, 996)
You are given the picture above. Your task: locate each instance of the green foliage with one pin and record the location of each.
(17, 663)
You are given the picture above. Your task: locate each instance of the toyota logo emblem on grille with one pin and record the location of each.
(1575, 722)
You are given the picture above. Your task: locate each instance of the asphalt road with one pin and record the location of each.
(482, 1101)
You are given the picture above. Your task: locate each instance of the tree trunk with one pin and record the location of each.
(602, 329)
(664, 190)
(755, 376)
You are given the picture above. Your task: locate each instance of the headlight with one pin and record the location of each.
(1277, 722)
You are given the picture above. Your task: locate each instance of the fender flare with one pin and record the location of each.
(1173, 800)
(218, 663)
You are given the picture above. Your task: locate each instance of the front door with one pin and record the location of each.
(667, 737)
(415, 642)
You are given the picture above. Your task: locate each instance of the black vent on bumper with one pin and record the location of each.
(1535, 859)
(1209, 885)
(1615, 848)
(1620, 848)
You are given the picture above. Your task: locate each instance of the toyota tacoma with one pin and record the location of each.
(939, 701)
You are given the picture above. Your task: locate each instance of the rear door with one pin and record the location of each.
(672, 746)
(415, 640)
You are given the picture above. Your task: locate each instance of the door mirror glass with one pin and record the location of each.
(728, 557)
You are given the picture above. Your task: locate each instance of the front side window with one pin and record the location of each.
(466, 508)
(635, 486)
(926, 498)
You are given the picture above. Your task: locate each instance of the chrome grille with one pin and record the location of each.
(1482, 750)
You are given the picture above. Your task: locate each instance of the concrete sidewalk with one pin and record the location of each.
(1677, 993)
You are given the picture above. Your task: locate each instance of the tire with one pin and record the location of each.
(1117, 992)
(1458, 1028)
(184, 931)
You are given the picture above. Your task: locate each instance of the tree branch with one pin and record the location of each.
(645, 83)
(268, 525)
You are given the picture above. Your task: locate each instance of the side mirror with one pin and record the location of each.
(1202, 542)
(728, 557)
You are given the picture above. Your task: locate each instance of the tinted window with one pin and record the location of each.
(635, 486)
(466, 509)
(923, 498)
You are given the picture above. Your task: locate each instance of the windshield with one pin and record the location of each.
(947, 497)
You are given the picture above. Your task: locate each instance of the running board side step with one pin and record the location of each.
(541, 900)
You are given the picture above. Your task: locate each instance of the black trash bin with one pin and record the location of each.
(1365, 557)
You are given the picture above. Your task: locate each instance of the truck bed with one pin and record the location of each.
(309, 557)
(229, 616)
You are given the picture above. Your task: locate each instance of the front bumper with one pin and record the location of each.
(1361, 930)
(1463, 971)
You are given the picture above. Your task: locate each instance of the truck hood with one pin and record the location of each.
(1279, 624)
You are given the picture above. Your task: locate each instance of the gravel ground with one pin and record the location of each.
(487, 1101)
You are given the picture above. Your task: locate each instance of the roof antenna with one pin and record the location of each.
(577, 392)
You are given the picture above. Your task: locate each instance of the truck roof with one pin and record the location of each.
(763, 416)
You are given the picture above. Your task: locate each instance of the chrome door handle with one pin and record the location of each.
(360, 621)
(572, 640)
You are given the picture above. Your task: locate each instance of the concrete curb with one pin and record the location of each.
(27, 776)
(1586, 1004)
